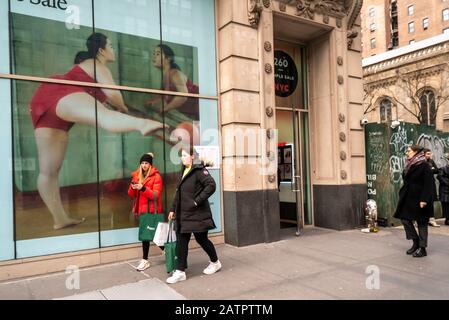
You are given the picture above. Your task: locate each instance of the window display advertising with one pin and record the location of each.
(4, 37)
(191, 22)
(76, 144)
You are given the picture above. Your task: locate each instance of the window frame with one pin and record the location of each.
(425, 23)
(411, 10)
(445, 14)
(411, 24)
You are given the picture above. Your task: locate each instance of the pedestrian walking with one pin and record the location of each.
(443, 178)
(416, 199)
(146, 183)
(433, 166)
(192, 214)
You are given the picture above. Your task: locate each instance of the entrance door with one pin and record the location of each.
(293, 147)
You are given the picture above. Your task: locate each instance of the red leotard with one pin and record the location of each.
(191, 107)
(46, 98)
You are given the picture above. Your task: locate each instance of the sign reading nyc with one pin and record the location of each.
(56, 4)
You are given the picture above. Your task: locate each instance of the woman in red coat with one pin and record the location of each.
(145, 183)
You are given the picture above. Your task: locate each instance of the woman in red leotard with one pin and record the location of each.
(55, 108)
(175, 80)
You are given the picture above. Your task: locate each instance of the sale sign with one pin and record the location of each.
(285, 74)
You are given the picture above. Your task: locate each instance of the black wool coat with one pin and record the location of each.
(443, 177)
(417, 187)
(196, 187)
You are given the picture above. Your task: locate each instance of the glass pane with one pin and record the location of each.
(6, 199)
(4, 38)
(188, 51)
(55, 154)
(126, 136)
(289, 79)
(133, 31)
(46, 40)
(203, 134)
(307, 184)
(286, 159)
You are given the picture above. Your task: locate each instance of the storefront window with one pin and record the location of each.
(4, 37)
(117, 222)
(133, 28)
(74, 145)
(6, 198)
(201, 132)
(45, 40)
(189, 33)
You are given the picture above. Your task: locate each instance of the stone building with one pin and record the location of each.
(409, 84)
(280, 80)
(391, 24)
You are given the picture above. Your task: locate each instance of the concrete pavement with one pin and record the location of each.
(320, 264)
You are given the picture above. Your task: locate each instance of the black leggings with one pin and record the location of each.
(146, 249)
(182, 247)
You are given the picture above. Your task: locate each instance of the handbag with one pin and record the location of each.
(149, 221)
(171, 260)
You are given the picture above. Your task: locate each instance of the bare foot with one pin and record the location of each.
(152, 126)
(69, 223)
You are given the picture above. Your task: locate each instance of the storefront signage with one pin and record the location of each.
(285, 74)
(56, 4)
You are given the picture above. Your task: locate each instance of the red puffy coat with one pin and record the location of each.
(153, 183)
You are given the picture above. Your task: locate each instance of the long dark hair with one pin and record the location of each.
(170, 55)
(94, 43)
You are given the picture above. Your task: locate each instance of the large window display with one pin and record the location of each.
(77, 137)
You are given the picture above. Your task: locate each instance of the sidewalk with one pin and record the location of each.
(320, 264)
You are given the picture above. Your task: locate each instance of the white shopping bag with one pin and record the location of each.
(161, 234)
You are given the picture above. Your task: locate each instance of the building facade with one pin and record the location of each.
(391, 24)
(409, 84)
(271, 91)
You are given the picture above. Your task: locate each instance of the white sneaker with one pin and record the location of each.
(176, 277)
(144, 264)
(433, 223)
(212, 267)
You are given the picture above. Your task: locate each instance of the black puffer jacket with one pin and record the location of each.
(196, 187)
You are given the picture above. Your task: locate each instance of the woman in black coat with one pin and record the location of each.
(443, 177)
(191, 213)
(416, 200)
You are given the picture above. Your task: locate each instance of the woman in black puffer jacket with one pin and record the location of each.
(191, 213)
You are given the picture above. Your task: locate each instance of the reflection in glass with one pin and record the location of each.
(188, 29)
(42, 39)
(134, 28)
(116, 167)
(4, 37)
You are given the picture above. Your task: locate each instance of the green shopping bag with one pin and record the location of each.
(148, 222)
(171, 260)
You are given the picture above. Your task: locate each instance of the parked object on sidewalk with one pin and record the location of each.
(416, 198)
(371, 216)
